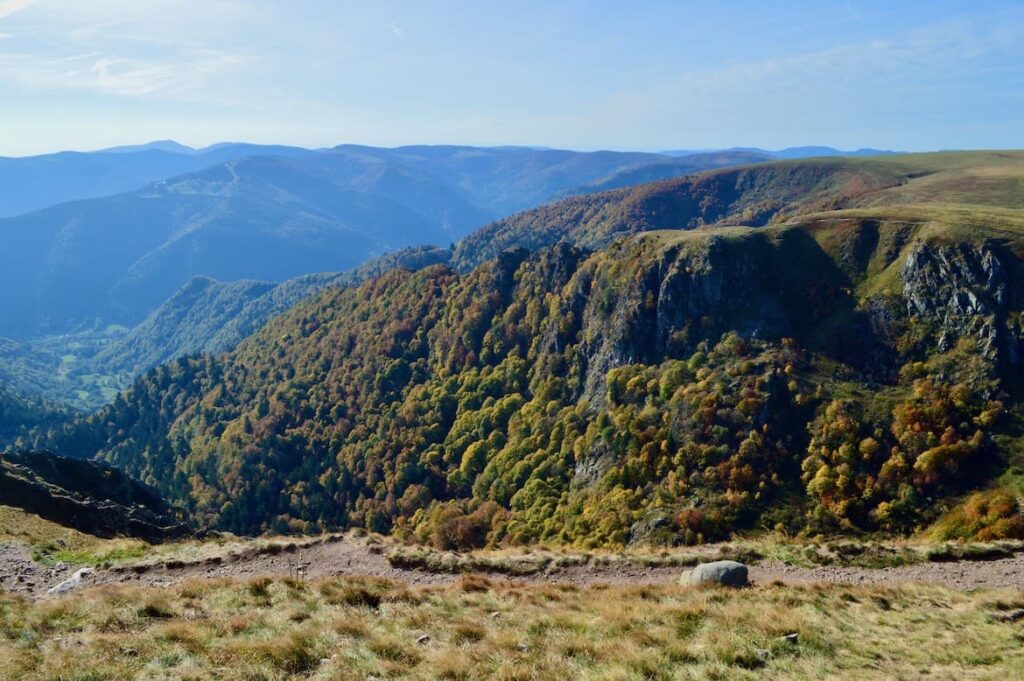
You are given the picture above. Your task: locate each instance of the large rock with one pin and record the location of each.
(721, 572)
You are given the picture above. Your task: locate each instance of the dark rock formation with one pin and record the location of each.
(89, 497)
(758, 287)
(967, 292)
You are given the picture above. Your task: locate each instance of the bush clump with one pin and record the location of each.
(985, 516)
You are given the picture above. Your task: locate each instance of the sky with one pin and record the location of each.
(645, 75)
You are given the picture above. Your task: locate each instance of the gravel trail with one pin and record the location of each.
(339, 555)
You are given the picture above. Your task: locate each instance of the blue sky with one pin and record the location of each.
(586, 75)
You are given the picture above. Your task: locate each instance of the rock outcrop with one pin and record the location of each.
(89, 497)
(701, 288)
(967, 291)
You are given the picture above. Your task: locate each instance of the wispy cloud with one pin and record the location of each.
(905, 59)
(397, 30)
(182, 79)
(125, 77)
(11, 6)
(91, 30)
(4, 36)
(124, 54)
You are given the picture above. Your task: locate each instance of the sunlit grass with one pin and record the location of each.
(473, 629)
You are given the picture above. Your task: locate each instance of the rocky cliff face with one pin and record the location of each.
(968, 292)
(963, 297)
(86, 496)
(760, 286)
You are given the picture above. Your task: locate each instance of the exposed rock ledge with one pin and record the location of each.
(89, 497)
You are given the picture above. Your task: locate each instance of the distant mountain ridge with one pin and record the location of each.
(270, 218)
(36, 182)
(790, 152)
(271, 213)
(160, 145)
(512, 179)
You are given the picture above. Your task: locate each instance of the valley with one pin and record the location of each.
(97, 299)
(853, 370)
(532, 341)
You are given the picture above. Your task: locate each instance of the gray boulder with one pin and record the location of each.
(721, 572)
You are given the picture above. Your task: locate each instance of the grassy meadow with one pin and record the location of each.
(474, 629)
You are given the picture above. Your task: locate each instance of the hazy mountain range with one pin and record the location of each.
(35, 182)
(790, 152)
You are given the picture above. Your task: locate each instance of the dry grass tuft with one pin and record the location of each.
(355, 595)
(394, 650)
(294, 654)
(475, 583)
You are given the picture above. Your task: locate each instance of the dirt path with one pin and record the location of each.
(347, 556)
(1005, 573)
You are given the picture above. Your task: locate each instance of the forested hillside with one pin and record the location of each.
(21, 415)
(853, 371)
(211, 316)
(86, 370)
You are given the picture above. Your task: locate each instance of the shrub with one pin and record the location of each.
(985, 516)
(454, 529)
